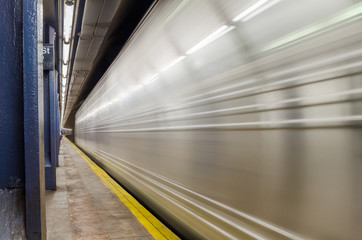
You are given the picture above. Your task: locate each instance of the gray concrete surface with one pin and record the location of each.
(82, 207)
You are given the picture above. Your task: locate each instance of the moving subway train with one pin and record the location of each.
(237, 119)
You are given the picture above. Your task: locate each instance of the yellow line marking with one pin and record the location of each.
(157, 229)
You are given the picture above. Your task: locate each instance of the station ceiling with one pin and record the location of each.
(100, 30)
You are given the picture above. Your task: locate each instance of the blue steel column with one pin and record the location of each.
(49, 119)
(53, 85)
(12, 206)
(58, 126)
(57, 121)
(50, 157)
(46, 106)
(49, 150)
(11, 91)
(33, 121)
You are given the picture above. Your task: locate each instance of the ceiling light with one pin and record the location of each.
(69, 2)
(66, 48)
(68, 21)
(64, 81)
(64, 70)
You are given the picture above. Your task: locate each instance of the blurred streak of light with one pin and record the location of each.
(252, 88)
(213, 36)
(260, 10)
(348, 14)
(250, 9)
(131, 171)
(141, 178)
(136, 88)
(302, 122)
(151, 79)
(320, 99)
(179, 59)
(319, 63)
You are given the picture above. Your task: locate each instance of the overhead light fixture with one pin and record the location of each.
(63, 89)
(64, 81)
(212, 37)
(69, 2)
(67, 32)
(64, 70)
(68, 20)
(66, 48)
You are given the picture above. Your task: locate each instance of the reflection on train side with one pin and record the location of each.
(237, 119)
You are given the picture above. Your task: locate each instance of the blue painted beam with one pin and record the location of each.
(49, 118)
(11, 96)
(50, 146)
(12, 206)
(49, 128)
(58, 127)
(33, 122)
(47, 163)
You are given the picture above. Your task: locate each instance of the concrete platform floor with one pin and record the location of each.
(82, 207)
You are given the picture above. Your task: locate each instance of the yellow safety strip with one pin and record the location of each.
(157, 229)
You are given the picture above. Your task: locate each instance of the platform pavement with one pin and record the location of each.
(82, 207)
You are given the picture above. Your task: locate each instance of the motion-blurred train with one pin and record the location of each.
(237, 119)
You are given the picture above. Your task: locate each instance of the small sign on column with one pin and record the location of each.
(48, 57)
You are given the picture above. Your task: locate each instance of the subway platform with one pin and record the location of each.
(88, 204)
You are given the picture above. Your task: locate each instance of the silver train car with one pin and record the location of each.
(237, 119)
